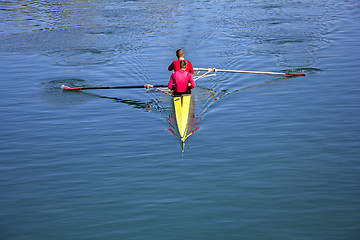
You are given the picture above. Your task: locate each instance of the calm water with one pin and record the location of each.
(274, 158)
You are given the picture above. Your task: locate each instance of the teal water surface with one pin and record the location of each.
(274, 157)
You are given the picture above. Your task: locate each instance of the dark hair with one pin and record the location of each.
(179, 53)
(183, 64)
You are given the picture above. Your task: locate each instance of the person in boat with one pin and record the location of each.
(175, 65)
(181, 81)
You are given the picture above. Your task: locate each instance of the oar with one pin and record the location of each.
(241, 71)
(118, 87)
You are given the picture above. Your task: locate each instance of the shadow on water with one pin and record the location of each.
(53, 94)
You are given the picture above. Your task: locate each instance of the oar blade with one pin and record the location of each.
(295, 74)
(63, 87)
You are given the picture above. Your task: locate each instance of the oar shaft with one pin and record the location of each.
(115, 87)
(242, 71)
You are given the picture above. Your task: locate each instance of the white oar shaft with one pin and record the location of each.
(235, 71)
(242, 71)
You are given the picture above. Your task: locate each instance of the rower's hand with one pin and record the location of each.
(189, 84)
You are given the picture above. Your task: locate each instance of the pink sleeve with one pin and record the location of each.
(191, 80)
(171, 82)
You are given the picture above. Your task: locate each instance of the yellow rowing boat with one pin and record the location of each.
(182, 109)
(183, 117)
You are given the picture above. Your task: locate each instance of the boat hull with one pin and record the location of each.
(182, 111)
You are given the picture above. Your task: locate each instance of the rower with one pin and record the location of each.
(175, 65)
(181, 81)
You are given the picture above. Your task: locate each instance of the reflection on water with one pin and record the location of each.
(94, 32)
(69, 27)
(102, 163)
(82, 56)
